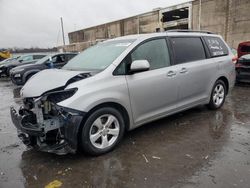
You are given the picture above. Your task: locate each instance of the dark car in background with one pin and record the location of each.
(243, 48)
(9, 60)
(243, 62)
(243, 69)
(22, 60)
(21, 74)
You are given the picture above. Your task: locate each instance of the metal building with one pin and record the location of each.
(229, 18)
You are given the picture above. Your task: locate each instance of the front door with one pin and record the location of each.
(153, 93)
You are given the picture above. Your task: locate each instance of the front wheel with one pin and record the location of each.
(218, 95)
(102, 131)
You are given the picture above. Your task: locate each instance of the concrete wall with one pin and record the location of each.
(145, 23)
(239, 22)
(149, 22)
(229, 18)
(213, 15)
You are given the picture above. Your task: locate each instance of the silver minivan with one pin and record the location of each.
(121, 84)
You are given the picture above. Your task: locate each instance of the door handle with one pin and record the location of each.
(171, 74)
(183, 70)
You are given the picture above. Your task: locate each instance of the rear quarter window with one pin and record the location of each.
(38, 56)
(216, 46)
(187, 49)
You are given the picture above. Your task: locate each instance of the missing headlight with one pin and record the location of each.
(59, 96)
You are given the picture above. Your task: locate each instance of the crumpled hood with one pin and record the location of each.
(48, 80)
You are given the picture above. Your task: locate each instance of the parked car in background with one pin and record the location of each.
(243, 48)
(22, 60)
(243, 69)
(4, 55)
(21, 74)
(9, 60)
(121, 84)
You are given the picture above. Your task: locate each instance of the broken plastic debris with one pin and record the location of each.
(68, 169)
(54, 184)
(59, 172)
(35, 177)
(187, 155)
(155, 157)
(145, 158)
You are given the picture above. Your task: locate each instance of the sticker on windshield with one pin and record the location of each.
(123, 44)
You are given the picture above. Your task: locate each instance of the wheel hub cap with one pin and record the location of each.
(219, 94)
(104, 131)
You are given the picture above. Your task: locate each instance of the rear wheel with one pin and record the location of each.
(218, 95)
(102, 131)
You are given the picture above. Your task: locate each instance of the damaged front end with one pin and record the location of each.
(43, 124)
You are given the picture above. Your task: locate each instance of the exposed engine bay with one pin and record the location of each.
(46, 126)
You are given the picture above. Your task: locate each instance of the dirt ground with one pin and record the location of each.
(196, 148)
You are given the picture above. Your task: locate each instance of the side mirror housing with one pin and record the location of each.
(139, 66)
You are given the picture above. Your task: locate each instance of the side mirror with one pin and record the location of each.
(139, 66)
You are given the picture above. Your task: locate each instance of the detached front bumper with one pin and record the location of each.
(35, 135)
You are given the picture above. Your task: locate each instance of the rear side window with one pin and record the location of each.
(38, 56)
(216, 46)
(155, 51)
(70, 56)
(187, 49)
(59, 59)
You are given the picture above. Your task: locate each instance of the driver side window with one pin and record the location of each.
(155, 51)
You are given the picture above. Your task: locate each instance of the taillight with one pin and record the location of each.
(235, 59)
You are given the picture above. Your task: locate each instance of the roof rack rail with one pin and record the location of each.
(191, 31)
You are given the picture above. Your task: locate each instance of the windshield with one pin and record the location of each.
(99, 56)
(43, 60)
(25, 58)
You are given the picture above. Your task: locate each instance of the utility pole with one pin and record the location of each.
(62, 32)
(200, 16)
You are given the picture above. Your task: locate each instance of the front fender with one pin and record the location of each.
(87, 98)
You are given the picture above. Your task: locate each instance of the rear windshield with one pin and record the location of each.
(245, 48)
(216, 46)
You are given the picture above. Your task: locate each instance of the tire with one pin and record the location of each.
(8, 72)
(218, 95)
(102, 132)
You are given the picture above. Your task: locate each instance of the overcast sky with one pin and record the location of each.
(36, 23)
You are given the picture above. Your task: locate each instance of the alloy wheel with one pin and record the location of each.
(104, 131)
(218, 95)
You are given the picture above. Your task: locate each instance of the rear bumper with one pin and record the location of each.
(35, 136)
